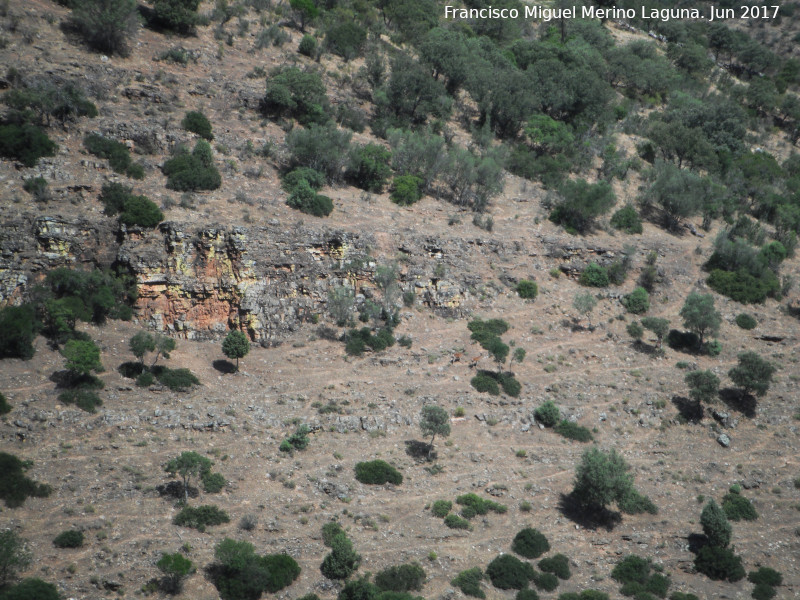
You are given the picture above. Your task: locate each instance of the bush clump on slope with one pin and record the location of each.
(377, 472)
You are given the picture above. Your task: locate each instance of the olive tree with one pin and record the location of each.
(188, 465)
(753, 374)
(434, 421)
(236, 345)
(700, 316)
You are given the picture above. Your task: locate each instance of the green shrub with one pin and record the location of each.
(738, 508)
(558, 565)
(346, 39)
(627, 219)
(377, 472)
(406, 190)
(547, 414)
(240, 574)
(637, 302)
(297, 441)
(368, 167)
(308, 46)
(5, 407)
(766, 576)
(198, 123)
(83, 398)
(69, 539)
(746, 321)
(508, 572)
(762, 591)
(592, 595)
(146, 379)
(192, 172)
(744, 287)
(594, 276)
(178, 56)
(31, 589)
(25, 143)
(453, 521)
(527, 594)
(545, 581)
(527, 289)
(485, 382)
(633, 502)
(401, 578)
(530, 543)
(106, 25)
(140, 211)
(18, 327)
(682, 596)
(292, 180)
(329, 531)
(573, 431)
(200, 517)
(179, 15)
(480, 506)
(581, 203)
(632, 568)
(117, 153)
(510, 385)
(14, 486)
(441, 508)
(342, 560)
(177, 380)
(469, 582)
(719, 564)
(36, 187)
(292, 92)
(325, 148)
(213, 482)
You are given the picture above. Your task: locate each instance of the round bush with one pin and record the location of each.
(594, 276)
(527, 289)
(530, 543)
(69, 539)
(627, 219)
(746, 321)
(329, 531)
(84, 399)
(507, 572)
(527, 594)
(405, 190)
(546, 581)
(558, 565)
(484, 382)
(306, 200)
(213, 482)
(401, 578)
(5, 407)
(738, 508)
(632, 568)
(455, 522)
(32, 589)
(441, 508)
(200, 517)
(763, 591)
(547, 414)
(146, 379)
(510, 385)
(469, 582)
(308, 46)
(719, 563)
(637, 302)
(141, 211)
(377, 472)
(312, 177)
(765, 575)
(196, 122)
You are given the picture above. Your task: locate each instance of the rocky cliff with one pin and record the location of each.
(200, 281)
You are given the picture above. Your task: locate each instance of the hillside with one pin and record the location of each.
(523, 144)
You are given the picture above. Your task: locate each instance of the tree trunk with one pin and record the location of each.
(430, 447)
